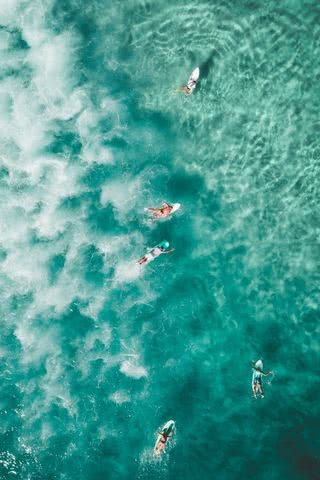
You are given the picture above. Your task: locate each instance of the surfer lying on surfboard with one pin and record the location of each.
(164, 211)
(161, 442)
(257, 377)
(188, 89)
(155, 252)
(163, 436)
(192, 81)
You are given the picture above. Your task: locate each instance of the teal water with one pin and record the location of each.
(95, 354)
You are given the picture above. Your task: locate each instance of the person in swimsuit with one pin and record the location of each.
(162, 442)
(155, 252)
(257, 380)
(163, 211)
(188, 89)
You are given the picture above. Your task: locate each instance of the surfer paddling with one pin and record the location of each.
(163, 436)
(258, 373)
(192, 82)
(155, 252)
(161, 442)
(164, 211)
(188, 89)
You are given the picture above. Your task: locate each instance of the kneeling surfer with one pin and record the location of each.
(257, 375)
(155, 252)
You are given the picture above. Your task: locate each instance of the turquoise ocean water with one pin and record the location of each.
(95, 354)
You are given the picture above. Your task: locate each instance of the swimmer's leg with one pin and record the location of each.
(260, 390)
(254, 389)
(142, 260)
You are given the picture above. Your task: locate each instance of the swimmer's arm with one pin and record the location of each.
(181, 89)
(169, 251)
(261, 371)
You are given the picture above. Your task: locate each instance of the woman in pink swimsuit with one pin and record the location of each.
(161, 212)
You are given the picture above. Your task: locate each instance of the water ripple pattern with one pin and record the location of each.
(96, 354)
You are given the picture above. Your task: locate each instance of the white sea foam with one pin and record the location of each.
(4, 41)
(38, 105)
(8, 11)
(127, 271)
(37, 182)
(132, 370)
(95, 152)
(53, 64)
(121, 193)
(119, 397)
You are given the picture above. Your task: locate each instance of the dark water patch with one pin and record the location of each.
(93, 262)
(20, 301)
(65, 142)
(96, 175)
(55, 266)
(299, 454)
(71, 202)
(3, 254)
(73, 324)
(183, 185)
(104, 219)
(4, 174)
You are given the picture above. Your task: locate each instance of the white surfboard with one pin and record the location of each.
(195, 74)
(175, 207)
(168, 429)
(259, 365)
(191, 84)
